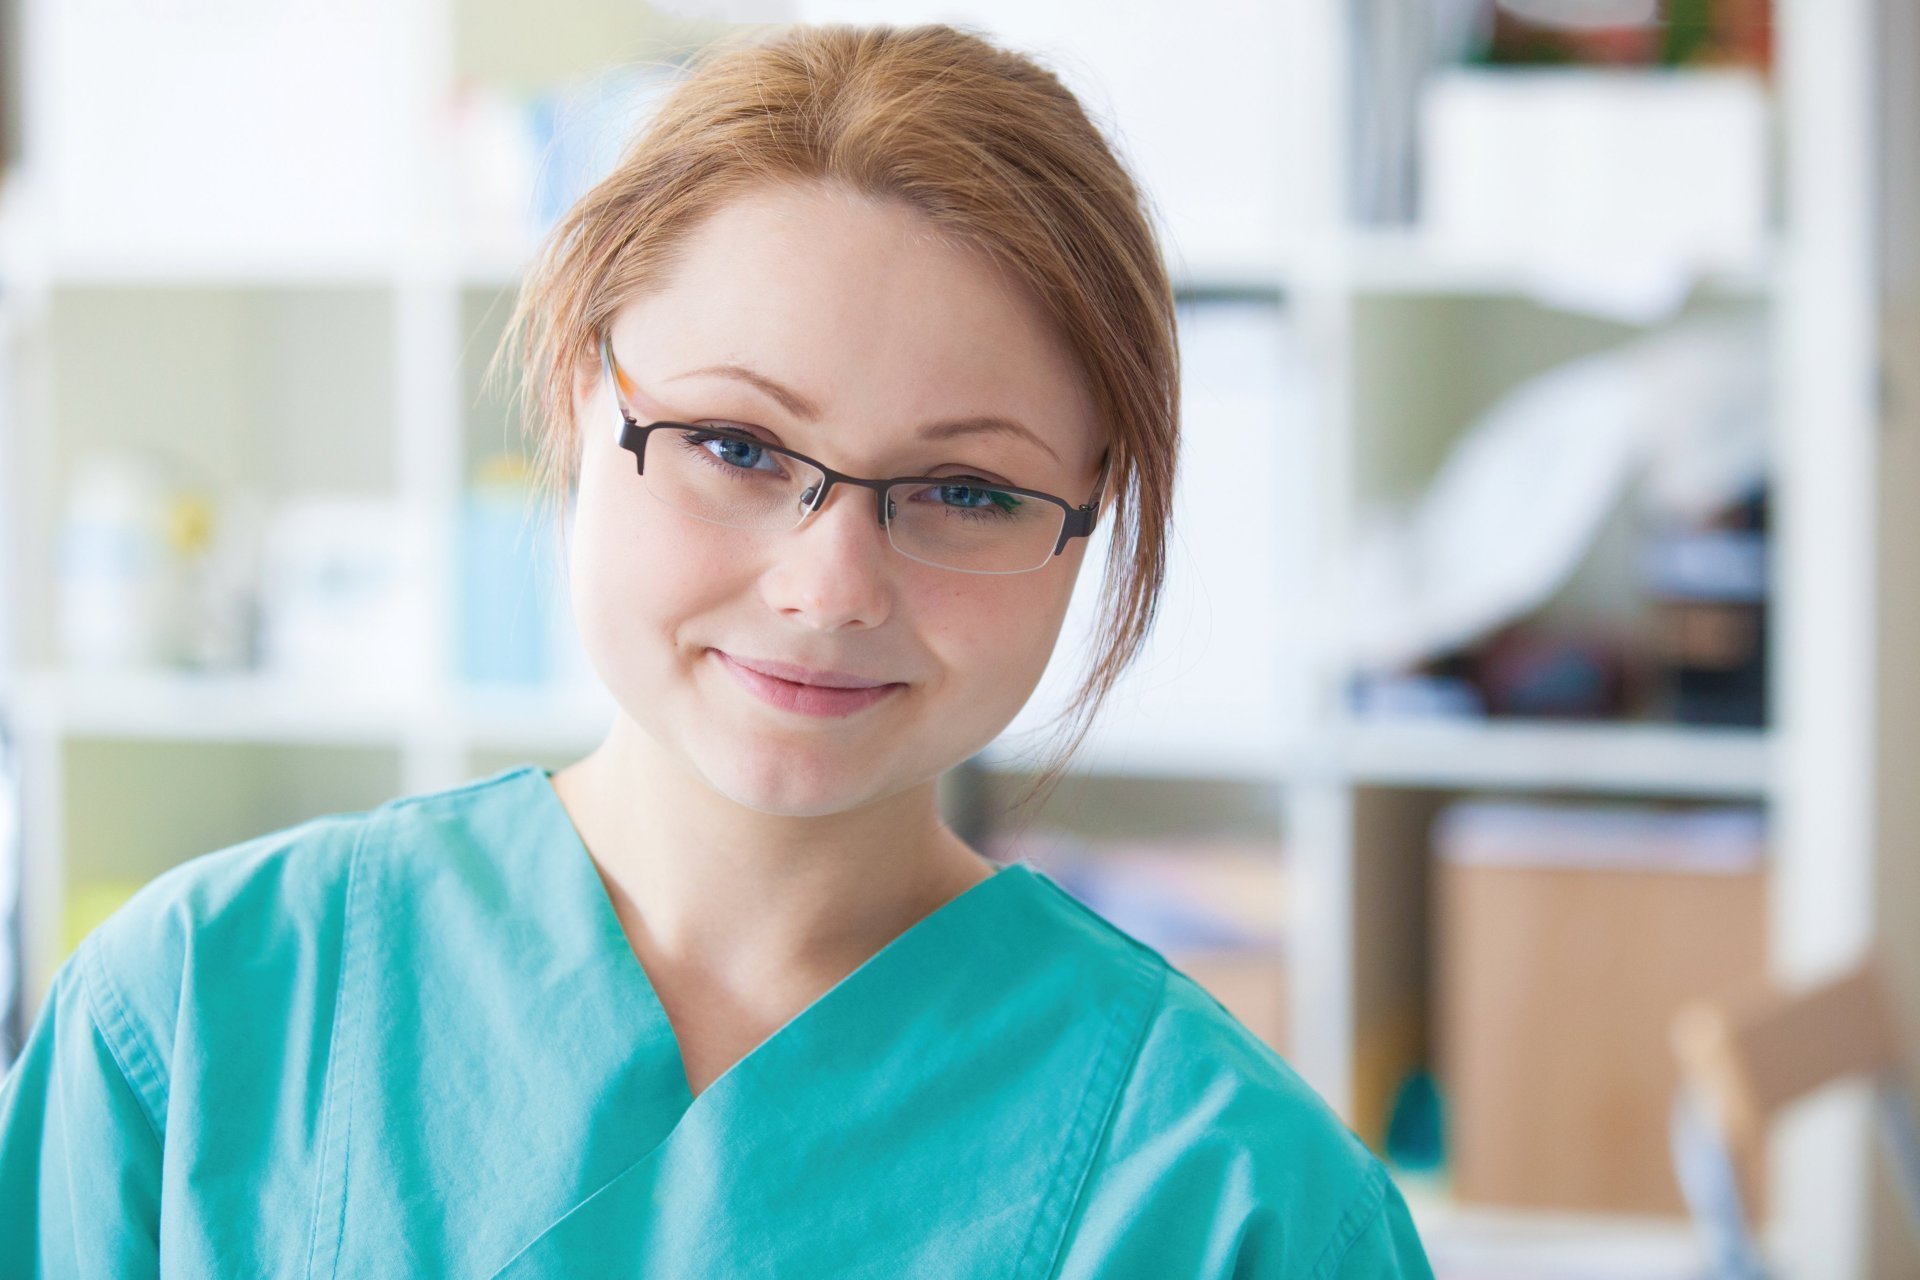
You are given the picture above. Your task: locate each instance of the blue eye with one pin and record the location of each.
(734, 453)
(977, 501)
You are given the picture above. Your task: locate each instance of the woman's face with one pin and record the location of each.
(875, 328)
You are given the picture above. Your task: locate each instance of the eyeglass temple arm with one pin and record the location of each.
(1080, 521)
(614, 380)
(627, 433)
(1093, 504)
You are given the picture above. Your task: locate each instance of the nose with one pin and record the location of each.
(833, 571)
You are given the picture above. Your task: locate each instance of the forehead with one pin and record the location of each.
(866, 309)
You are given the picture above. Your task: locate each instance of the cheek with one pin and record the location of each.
(637, 570)
(999, 633)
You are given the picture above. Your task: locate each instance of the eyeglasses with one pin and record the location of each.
(731, 478)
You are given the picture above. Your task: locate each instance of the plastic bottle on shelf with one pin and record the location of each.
(503, 621)
(115, 574)
(214, 543)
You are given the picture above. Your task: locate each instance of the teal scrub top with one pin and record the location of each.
(415, 1042)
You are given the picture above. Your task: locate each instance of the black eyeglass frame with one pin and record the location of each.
(1078, 522)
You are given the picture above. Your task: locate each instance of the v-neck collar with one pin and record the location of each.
(568, 851)
(495, 1035)
(969, 1064)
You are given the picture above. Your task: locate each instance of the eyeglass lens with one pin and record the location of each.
(965, 524)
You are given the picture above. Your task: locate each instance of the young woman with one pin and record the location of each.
(842, 365)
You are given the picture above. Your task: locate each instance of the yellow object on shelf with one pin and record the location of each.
(503, 471)
(190, 524)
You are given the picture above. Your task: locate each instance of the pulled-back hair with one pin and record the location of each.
(986, 145)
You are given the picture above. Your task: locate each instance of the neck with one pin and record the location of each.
(752, 899)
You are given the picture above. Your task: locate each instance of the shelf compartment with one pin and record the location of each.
(124, 812)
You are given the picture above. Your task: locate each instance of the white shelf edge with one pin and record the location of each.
(168, 707)
(194, 269)
(531, 720)
(1371, 261)
(1412, 261)
(1650, 759)
(163, 707)
(1666, 760)
(1678, 761)
(1506, 1244)
(1234, 760)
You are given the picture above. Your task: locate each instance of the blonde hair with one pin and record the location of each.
(985, 144)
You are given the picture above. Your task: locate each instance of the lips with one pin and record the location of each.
(804, 675)
(802, 697)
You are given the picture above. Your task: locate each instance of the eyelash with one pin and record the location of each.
(727, 424)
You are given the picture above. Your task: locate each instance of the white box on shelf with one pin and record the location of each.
(1189, 95)
(347, 596)
(1215, 688)
(1609, 169)
(174, 138)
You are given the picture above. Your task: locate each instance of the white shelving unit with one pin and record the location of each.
(368, 172)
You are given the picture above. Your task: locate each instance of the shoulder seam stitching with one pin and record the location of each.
(1253, 1041)
(1088, 914)
(99, 988)
(1361, 1214)
(1112, 1108)
(334, 1047)
(445, 793)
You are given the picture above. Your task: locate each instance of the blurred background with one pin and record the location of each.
(1540, 656)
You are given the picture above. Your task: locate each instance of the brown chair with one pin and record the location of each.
(1743, 1062)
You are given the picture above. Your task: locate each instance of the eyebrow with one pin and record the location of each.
(801, 407)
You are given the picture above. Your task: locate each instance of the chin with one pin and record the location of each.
(791, 779)
(784, 800)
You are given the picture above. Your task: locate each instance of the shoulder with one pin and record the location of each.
(1195, 1058)
(1219, 1158)
(253, 923)
(1252, 1126)
(1198, 1059)
(1243, 1113)
(278, 882)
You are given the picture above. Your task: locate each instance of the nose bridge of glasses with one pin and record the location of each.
(817, 495)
